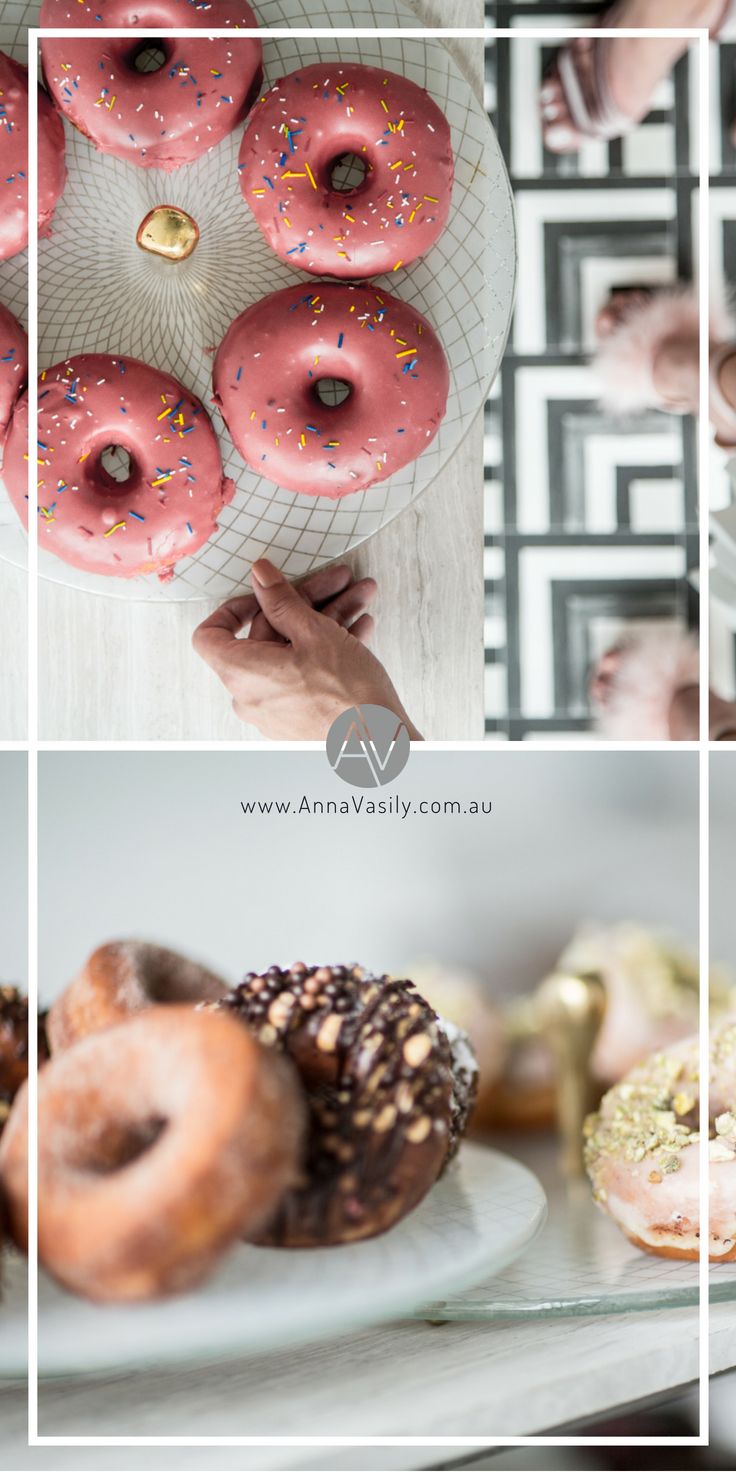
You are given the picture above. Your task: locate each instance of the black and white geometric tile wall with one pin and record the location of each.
(591, 520)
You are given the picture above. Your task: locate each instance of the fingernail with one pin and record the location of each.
(551, 111)
(559, 138)
(547, 93)
(265, 574)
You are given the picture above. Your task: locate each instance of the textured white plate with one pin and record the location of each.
(484, 1212)
(99, 292)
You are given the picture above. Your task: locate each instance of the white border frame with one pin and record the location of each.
(34, 746)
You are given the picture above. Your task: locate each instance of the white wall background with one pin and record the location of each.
(723, 854)
(155, 845)
(13, 868)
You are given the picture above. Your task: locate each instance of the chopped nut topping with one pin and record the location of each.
(417, 1048)
(329, 1032)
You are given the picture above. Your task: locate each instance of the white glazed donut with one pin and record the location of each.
(642, 1150)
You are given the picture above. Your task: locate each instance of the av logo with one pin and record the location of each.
(368, 746)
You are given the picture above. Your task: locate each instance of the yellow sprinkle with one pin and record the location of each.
(312, 179)
(165, 413)
(383, 104)
(431, 199)
(302, 440)
(407, 353)
(253, 415)
(286, 220)
(396, 267)
(83, 457)
(110, 107)
(119, 525)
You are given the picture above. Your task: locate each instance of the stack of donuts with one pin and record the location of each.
(326, 388)
(651, 985)
(308, 1107)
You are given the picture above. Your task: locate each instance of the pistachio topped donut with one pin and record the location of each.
(14, 158)
(13, 366)
(643, 1150)
(316, 119)
(388, 1100)
(278, 356)
(168, 489)
(162, 1142)
(158, 103)
(121, 978)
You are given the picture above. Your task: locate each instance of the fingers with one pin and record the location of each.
(214, 637)
(318, 591)
(284, 607)
(348, 606)
(325, 584)
(362, 629)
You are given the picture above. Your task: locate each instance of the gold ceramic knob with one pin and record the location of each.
(168, 232)
(570, 1008)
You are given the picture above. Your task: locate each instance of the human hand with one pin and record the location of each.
(304, 660)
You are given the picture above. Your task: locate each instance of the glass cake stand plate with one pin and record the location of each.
(99, 292)
(484, 1211)
(581, 1264)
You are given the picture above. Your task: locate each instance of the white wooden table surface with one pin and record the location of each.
(114, 670)
(407, 1380)
(13, 653)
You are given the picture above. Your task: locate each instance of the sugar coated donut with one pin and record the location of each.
(643, 1150)
(14, 156)
(276, 354)
(123, 977)
(299, 136)
(13, 366)
(387, 1102)
(156, 118)
(168, 505)
(161, 1142)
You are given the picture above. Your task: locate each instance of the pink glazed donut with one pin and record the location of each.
(13, 366)
(167, 507)
(275, 354)
(157, 119)
(311, 120)
(14, 158)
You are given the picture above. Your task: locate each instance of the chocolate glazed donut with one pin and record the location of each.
(386, 1113)
(14, 1046)
(121, 978)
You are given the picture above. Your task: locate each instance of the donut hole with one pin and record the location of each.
(348, 172)
(116, 465)
(332, 391)
(149, 56)
(116, 1145)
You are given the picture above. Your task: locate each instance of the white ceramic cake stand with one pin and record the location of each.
(98, 292)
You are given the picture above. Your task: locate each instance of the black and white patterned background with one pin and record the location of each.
(591, 520)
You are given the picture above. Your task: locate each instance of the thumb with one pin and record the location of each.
(286, 611)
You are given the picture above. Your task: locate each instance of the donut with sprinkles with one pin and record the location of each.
(278, 357)
(14, 159)
(158, 103)
(129, 469)
(13, 366)
(294, 174)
